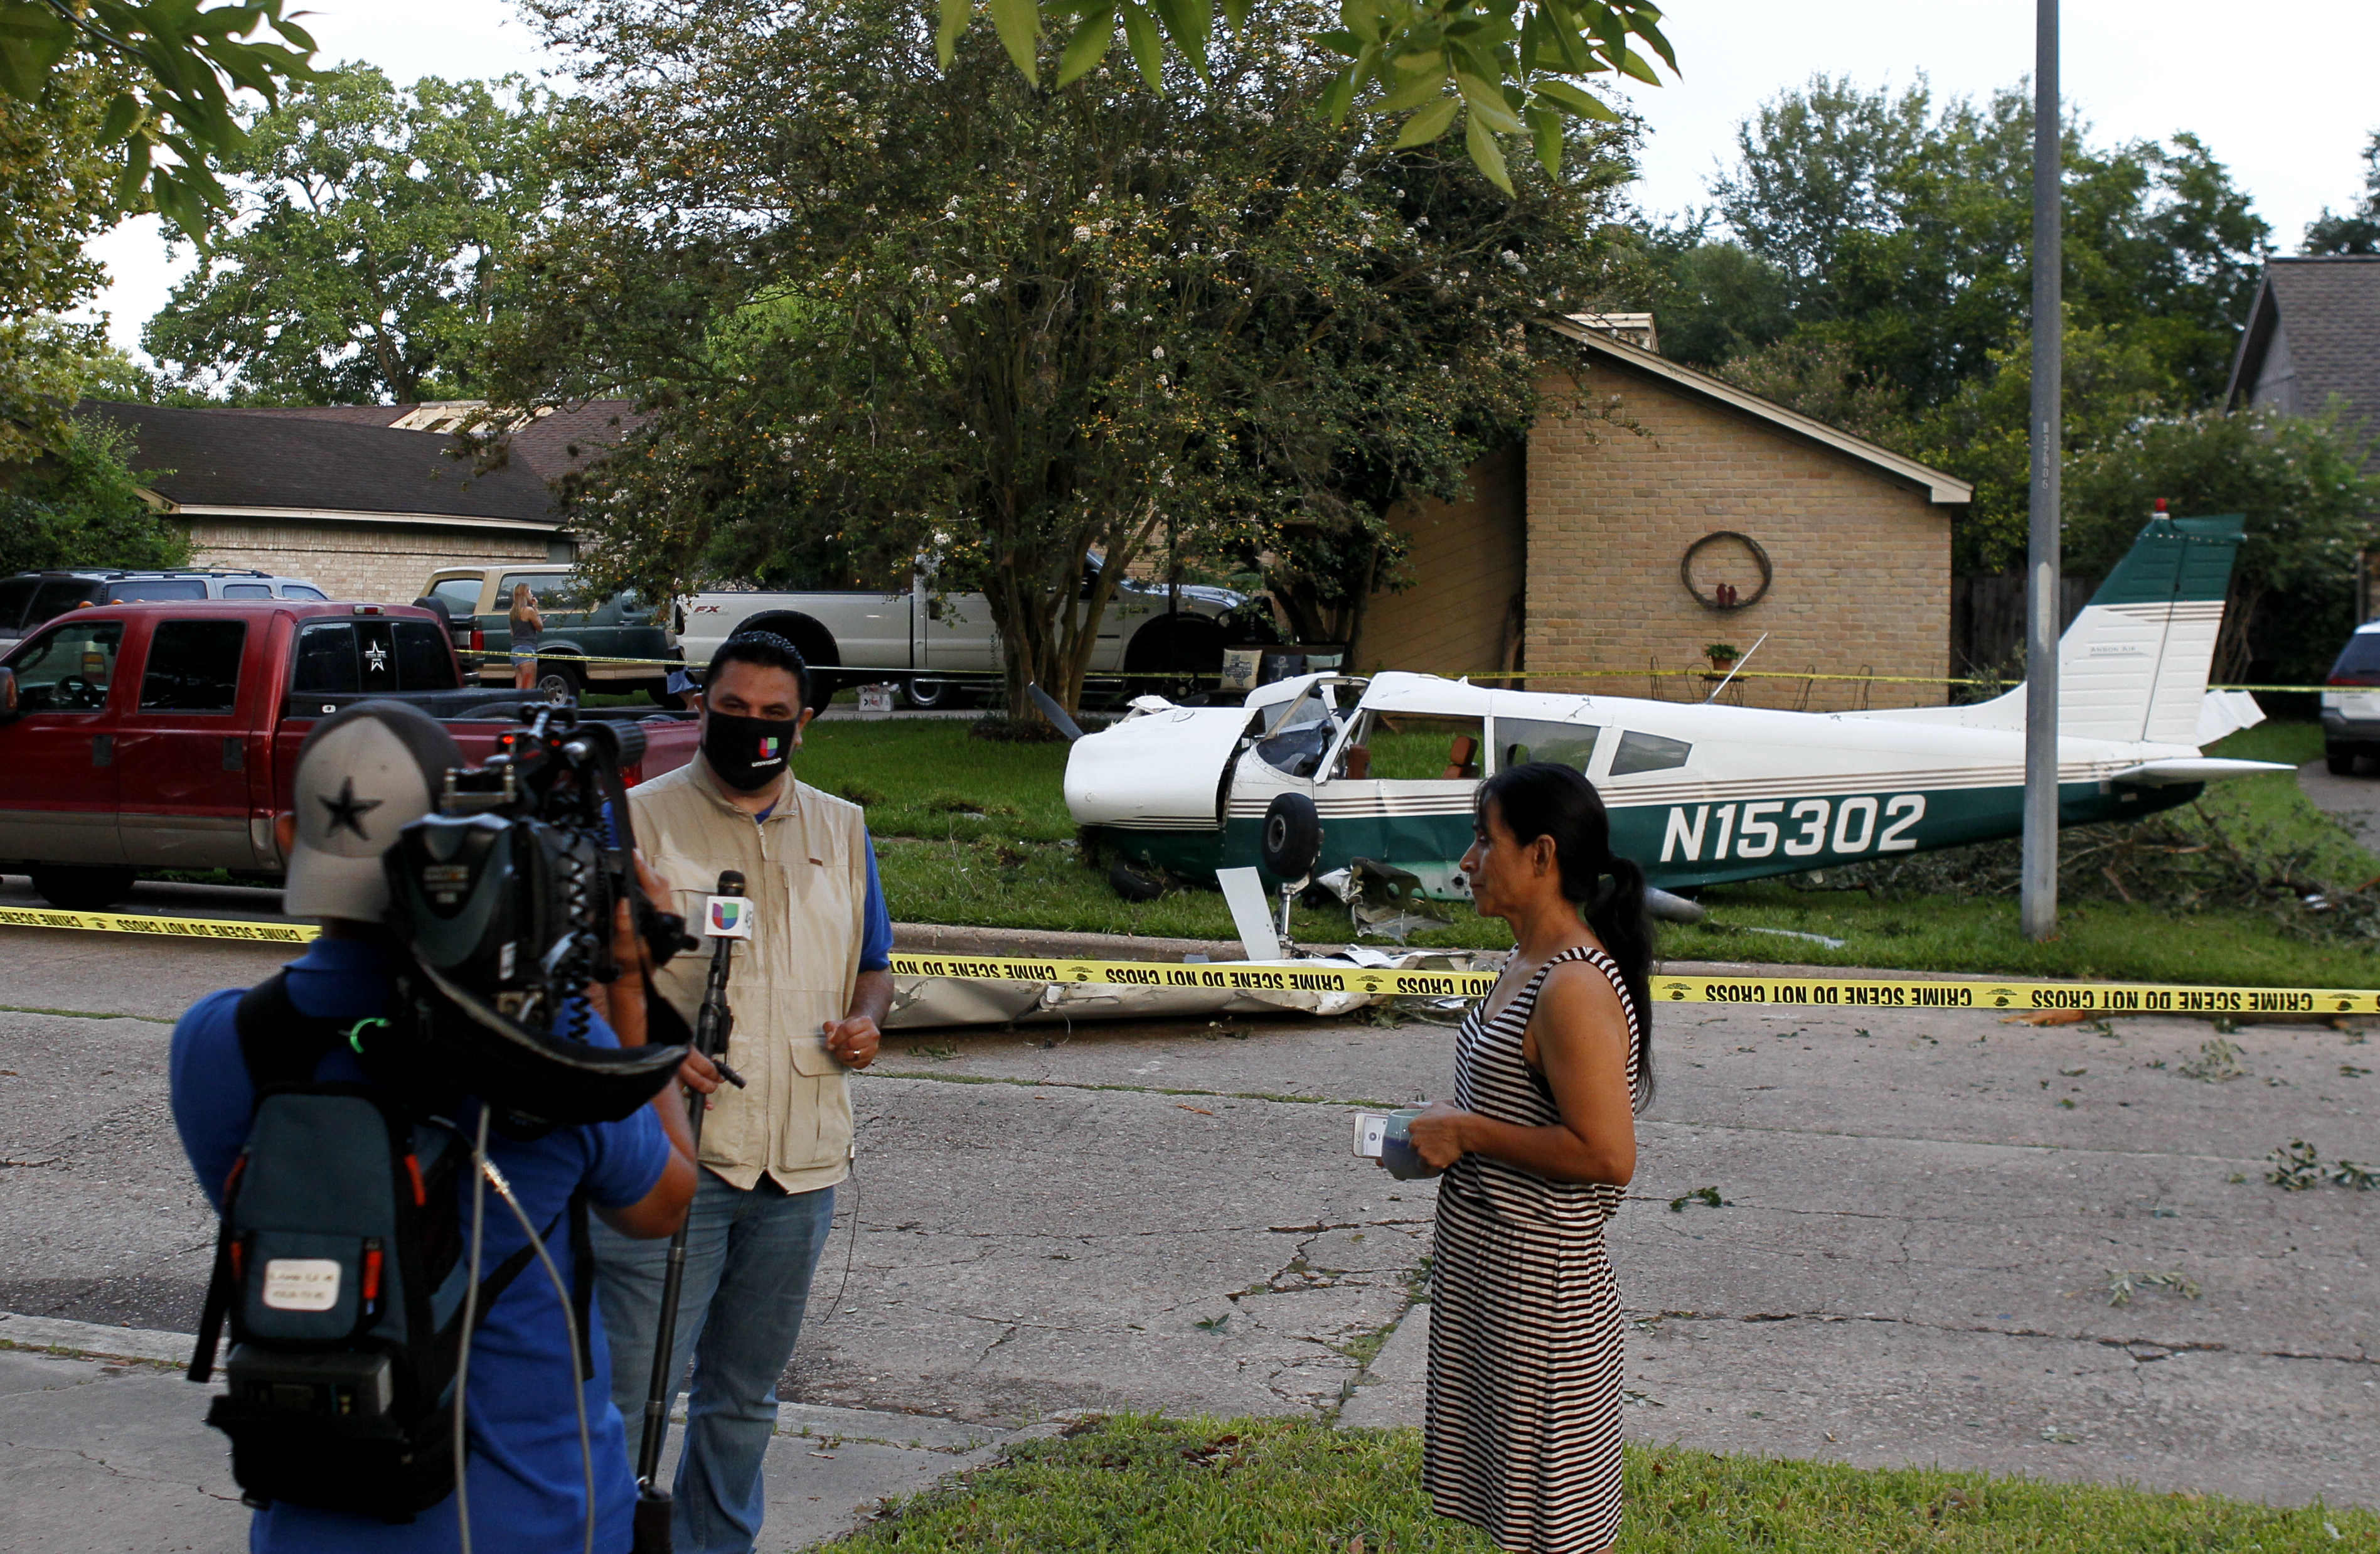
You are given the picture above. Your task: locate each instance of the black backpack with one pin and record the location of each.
(340, 1268)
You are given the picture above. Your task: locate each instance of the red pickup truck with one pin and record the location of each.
(164, 736)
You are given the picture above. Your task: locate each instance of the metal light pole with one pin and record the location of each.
(2038, 903)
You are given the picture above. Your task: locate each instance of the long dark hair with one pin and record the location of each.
(1540, 798)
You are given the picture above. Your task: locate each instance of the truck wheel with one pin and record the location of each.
(926, 694)
(76, 888)
(560, 680)
(2341, 760)
(1292, 837)
(1184, 653)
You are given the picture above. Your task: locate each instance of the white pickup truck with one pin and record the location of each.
(933, 644)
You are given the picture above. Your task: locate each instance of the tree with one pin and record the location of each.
(174, 65)
(81, 506)
(2298, 481)
(374, 241)
(887, 313)
(2357, 232)
(54, 194)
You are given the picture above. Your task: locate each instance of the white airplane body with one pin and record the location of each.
(1698, 793)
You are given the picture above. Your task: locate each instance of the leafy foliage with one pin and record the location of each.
(375, 241)
(175, 65)
(886, 314)
(81, 506)
(1497, 67)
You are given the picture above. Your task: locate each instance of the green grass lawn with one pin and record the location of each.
(975, 832)
(1156, 1485)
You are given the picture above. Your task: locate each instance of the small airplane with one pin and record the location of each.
(1316, 772)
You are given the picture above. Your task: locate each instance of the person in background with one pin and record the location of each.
(809, 993)
(364, 773)
(1522, 1428)
(681, 688)
(528, 629)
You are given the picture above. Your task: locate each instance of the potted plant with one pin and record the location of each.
(1721, 655)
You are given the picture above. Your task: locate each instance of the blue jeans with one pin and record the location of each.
(748, 1258)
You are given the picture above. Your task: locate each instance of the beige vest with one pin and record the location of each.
(805, 873)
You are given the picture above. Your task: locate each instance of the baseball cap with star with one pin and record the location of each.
(365, 772)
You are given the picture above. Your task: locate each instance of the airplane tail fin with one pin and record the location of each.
(2134, 663)
(2134, 666)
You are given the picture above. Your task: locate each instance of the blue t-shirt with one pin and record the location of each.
(527, 1483)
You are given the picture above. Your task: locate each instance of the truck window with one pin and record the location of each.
(59, 595)
(247, 590)
(551, 590)
(155, 590)
(193, 666)
(1647, 752)
(460, 595)
(68, 669)
(423, 663)
(326, 660)
(301, 591)
(15, 594)
(1520, 740)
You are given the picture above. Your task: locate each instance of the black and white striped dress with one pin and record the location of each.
(1522, 1435)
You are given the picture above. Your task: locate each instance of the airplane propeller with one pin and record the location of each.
(1055, 713)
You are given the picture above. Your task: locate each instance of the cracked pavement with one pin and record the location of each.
(1921, 1215)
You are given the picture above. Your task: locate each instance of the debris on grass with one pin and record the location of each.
(2123, 1283)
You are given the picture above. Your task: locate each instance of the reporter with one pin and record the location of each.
(1522, 1432)
(364, 773)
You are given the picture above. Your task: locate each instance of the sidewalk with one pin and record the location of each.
(112, 1454)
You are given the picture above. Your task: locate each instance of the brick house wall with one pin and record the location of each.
(1468, 560)
(1861, 558)
(379, 564)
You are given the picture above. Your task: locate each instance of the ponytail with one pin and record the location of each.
(1541, 799)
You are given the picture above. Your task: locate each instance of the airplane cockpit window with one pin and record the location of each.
(1647, 752)
(1300, 736)
(1414, 746)
(1522, 740)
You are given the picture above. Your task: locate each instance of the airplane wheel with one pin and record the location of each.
(1132, 884)
(1292, 837)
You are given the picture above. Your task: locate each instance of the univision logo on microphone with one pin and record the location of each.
(730, 916)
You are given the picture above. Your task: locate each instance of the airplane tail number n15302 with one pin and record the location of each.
(1793, 828)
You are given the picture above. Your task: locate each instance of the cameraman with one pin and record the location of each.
(809, 993)
(363, 773)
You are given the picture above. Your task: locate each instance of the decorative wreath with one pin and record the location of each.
(1725, 596)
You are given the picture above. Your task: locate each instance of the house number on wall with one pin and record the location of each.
(1718, 569)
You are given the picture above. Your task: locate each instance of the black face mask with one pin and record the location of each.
(748, 754)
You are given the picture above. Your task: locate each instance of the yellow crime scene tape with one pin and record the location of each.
(1813, 992)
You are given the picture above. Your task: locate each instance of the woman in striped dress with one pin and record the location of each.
(1525, 1338)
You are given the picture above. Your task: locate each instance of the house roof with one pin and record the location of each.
(240, 463)
(556, 444)
(1939, 487)
(2330, 308)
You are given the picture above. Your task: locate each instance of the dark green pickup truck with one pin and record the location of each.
(580, 641)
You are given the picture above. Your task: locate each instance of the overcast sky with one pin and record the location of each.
(2287, 104)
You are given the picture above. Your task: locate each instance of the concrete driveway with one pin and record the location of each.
(1923, 1220)
(2355, 800)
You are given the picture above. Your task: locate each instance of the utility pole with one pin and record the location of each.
(2038, 902)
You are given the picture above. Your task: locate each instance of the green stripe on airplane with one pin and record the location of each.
(2187, 561)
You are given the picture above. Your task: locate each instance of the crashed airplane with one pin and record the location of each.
(1314, 772)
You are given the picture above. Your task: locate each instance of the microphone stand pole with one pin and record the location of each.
(712, 1026)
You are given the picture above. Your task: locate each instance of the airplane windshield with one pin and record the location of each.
(1301, 736)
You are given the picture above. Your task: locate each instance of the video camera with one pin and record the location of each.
(503, 898)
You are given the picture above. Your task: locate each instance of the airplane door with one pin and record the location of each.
(1399, 792)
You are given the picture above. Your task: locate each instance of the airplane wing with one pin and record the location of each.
(2193, 768)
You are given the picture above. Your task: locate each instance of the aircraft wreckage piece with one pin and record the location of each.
(1386, 767)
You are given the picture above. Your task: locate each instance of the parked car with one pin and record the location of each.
(31, 598)
(151, 737)
(477, 601)
(932, 643)
(2351, 709)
